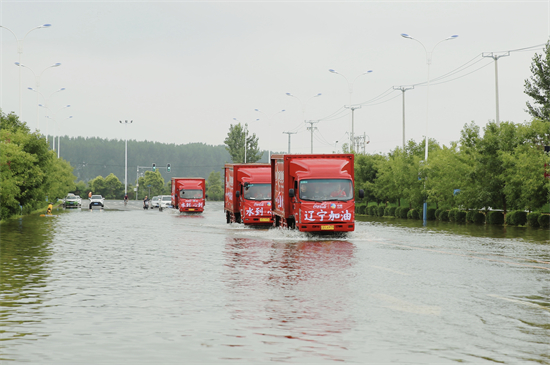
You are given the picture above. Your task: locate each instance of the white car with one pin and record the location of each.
(165, 201)
(72, 201)
(155, 202)
(97, 201)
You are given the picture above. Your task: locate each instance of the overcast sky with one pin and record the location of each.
(182, 71)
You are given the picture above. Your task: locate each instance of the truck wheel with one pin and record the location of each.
(237, 218)
(291, 223)
(227, 217)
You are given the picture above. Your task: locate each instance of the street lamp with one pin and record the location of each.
(54, 120)
(126, 155)
(46, 100)
(245, 137)
(270, 119)
(350, 89)
(428, 62)
(20, 52)
(36, 81)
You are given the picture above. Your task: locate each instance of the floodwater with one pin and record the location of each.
(124, 285)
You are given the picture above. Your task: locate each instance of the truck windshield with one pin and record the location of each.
(257, 192)
(191, 194)
(326, 190)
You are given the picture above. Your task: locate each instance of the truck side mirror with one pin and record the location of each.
(291, 193)
(238, 193)
(246, 184)
(206, 196)
(361, 193)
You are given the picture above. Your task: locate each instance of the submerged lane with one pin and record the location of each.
(128, 285)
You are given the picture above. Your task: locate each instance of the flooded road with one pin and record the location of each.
(124, 285)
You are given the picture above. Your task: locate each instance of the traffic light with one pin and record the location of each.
(168, 167)
(154, 167)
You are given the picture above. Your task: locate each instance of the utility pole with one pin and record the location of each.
(403, 89)
(352, 135)
(311, 128)
(289, 133)
(496, 57)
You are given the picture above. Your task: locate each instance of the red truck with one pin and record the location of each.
(248, 193)
(314, 193)
(188, 193)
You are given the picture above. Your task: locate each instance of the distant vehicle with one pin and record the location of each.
(165, 201)
(72, 201)
(188, 194)
(155, 202)
(97, 201)
(248, 194)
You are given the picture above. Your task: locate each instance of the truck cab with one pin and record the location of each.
(188, 194)
(248, 194)
(314, 193)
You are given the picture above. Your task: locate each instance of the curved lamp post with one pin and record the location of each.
(428, 62)
(350, 89)
(54, 120)
(46, 100)
(20, 52)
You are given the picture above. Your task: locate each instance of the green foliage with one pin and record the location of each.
(109, 188)
(460, 216)
(389, 211)
(235, 143)
(91, 157)
(474, 216)
(401, 212)
(544, 221)
(380, 211)
(452, 214)
(151, 184)
(214, 186)
(533, 219)
(495, 217)
(538, 86)
(371, 210)
(516, 218)
(430, 214)
(413, 214)
(30, 172)
(444, 216)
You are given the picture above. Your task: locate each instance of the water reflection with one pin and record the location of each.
(467, 229)
(291, 291)
(24, 257)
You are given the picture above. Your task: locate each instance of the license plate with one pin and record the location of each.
(191, 210)
(327, 228)
(264, 219)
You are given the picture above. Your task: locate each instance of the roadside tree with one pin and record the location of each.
(214, 186)
(235, 141)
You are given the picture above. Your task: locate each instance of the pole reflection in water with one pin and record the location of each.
(295, 290)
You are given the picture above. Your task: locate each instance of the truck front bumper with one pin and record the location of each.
(326, 227)
(259, 220)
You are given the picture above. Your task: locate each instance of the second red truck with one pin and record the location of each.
(248, 194)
